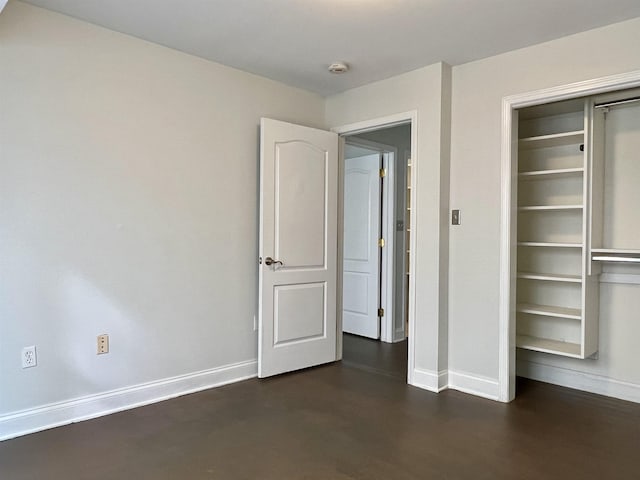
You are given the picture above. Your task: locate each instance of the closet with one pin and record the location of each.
(578, 197)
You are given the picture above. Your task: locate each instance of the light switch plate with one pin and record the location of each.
(455, 217)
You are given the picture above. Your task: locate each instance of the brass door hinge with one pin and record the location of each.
(383, 172)
(381, 312)
(381, 242)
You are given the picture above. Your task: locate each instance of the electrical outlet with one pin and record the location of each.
(29, 357)
(103, 344)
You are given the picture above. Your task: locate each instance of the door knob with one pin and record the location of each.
(271, 261)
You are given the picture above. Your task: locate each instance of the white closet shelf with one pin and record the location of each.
(540, 208)
(554, 207)
(550, 244)
(547, 345)
(553, 140)
(555, 173)
(550, 277)
(550, 311)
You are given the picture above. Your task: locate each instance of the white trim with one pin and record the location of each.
(410, 117)
(387, 268)
(430, 380)
(587, 382)
(509, 168)
(341, 147)
(377, 123)
(474, 384)
(71, 411)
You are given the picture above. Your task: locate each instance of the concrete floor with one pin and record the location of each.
(341, 422)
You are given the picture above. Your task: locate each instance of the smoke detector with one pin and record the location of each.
(338, 67)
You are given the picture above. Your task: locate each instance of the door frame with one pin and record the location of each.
(403, 118)
(508, 223)
(387, 271)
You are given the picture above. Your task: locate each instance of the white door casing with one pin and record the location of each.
(361, 253)
(298, 227)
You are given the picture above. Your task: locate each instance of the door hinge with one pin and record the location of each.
(383, 172)
(381, 312)
(381, 242)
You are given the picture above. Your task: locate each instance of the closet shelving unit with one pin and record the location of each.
(556, 311)
(408, 243)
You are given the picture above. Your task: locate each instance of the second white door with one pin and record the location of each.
(362, 226)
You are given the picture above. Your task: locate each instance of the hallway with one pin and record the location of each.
(374, 356)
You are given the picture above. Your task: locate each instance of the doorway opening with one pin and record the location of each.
(376, 252)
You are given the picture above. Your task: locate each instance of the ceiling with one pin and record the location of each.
(293, 41)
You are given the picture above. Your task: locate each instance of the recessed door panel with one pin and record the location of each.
(289, 302)
(356, 221)
(356, 293)
(300, 210)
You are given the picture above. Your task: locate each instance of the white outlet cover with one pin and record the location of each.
(29, 357)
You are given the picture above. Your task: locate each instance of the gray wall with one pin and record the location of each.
(128, 189)
(128, 193)
(478, 89)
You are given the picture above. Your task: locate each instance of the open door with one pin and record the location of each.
(362, 231)
(298, 247)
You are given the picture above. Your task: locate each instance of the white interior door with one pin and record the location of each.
(361, 267)
(298, 247)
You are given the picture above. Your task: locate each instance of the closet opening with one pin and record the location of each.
(573, 242)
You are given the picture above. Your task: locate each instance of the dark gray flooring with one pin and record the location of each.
(375, 356)
(340, 422)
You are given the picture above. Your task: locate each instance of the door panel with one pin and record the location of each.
(301, 171)
(361, 268)
(357, 205)
(298, 227)
(289, 325)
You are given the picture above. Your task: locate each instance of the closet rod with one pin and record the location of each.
(599, 258)
(617, 102)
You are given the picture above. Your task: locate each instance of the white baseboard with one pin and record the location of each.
(54, 415)
(399, 335)
(474, 385)
(429, 380)
(586, 382)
